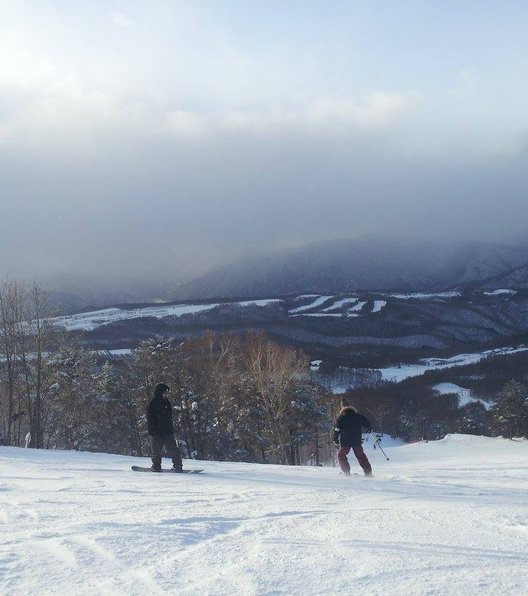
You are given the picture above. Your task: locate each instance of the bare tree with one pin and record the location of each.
(273, 371)
(10, 411)
(37, 339)
(27, 338)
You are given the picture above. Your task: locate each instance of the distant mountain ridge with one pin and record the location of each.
(368, 263)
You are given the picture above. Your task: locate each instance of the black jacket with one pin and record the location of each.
(348, 427)
(159, 417)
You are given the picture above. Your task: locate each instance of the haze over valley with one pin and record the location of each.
(144, 145)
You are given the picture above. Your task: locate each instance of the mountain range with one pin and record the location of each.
(372, 263)
(370, 300)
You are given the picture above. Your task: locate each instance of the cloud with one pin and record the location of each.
(50, 103)
(377, 111)
(121, 19)
(46, 106)
(161, 136)
(185, 123)
(326, 115)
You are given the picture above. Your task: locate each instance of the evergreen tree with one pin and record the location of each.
(510, 411)
(473, 419)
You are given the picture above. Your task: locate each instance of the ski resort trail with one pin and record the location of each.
(444, 517)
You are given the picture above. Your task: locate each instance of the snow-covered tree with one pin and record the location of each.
(473, 419)
(74, 415)
(510, 411)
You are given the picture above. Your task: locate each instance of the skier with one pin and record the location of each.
(347, 435)
(161, 429)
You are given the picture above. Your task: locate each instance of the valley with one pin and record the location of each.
(359, 330)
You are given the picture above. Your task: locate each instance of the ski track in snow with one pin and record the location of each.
(314, 304)
(357, 307)
(340, 303)
(445, 517)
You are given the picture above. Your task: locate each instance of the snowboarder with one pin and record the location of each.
(347, 435)
(161, 429)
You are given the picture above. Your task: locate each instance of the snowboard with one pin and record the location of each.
(142, 469)
(352, 474)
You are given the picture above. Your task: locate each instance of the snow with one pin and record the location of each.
(396, 374)
(352, 311)
(425, 296)
(357, 307)
(500, 292)
(318, 314)
(379, 305)
(89, 321)
(340, 303)
(387, 441)
(265, 302)
(314, 304)
(92, 320)
(446, 517)
(465, 396)
(120, 352)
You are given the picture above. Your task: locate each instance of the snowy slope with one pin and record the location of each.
(330, 306)
(396, 374)
(447, 517)
(89, 321)
(465, 396)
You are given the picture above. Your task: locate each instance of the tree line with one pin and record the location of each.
(239, 398)
(244, 398)
(413, 411)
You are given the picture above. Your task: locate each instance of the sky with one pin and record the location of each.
(153, 139)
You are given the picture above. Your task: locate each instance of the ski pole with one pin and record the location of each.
(378, 443)
(381, 448)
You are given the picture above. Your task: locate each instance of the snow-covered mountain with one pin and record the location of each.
(458, 300)
(362, 329)
(445, 517)
(370, 263)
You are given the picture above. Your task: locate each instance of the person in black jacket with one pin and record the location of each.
(161, 429)
(347, 435)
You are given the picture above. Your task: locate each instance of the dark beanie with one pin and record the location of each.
(160, 390)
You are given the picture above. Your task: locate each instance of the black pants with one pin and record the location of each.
(172, 449)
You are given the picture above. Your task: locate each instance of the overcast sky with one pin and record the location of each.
(149, 137)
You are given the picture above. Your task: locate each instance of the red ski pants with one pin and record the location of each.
(360, 456)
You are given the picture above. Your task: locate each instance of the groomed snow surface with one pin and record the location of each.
(396, 374)
(446, 517)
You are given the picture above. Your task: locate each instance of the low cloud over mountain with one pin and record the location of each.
(369, 263)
